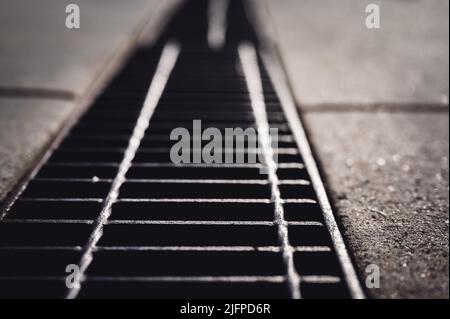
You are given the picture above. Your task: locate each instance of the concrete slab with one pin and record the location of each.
(332, 58)
(26, 128)
(38, 51)
(389, 180)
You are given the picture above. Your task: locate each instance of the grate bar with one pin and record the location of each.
(288, 105)
(249, 63)
(166, 64)
(155, 222)
(172, 165)
(89, 200)
(275, 249)
(188, 229)
(321, 279)
(277, 279)
(228, 279)
(244, 279)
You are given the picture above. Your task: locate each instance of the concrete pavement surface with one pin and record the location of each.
(26, 127)
(388, 176)
(38, 51)
(333, 58)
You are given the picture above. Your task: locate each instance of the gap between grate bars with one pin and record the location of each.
(166, 64)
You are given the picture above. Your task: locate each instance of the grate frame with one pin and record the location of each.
(281, 90)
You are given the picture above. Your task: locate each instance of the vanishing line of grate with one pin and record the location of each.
(165, 66)
(249, 64)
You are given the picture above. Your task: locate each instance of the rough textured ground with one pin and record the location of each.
(26, 126)
(388, 175)
(387, 172)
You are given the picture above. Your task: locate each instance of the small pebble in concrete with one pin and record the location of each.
(349, 162)
(381, 162)
(406, 168)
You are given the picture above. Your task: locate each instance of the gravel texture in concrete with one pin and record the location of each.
(333, 58)
(26, 127)
(386, 172)
(389, 179)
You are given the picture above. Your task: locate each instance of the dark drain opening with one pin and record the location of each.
(183, 222)
(39, 235)
(48, 209)
(200, 211)
(195, 263)
(177, 290)
(189, 235)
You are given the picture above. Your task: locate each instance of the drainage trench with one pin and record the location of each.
(111, 201)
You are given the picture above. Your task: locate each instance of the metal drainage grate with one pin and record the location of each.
(110, 200)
